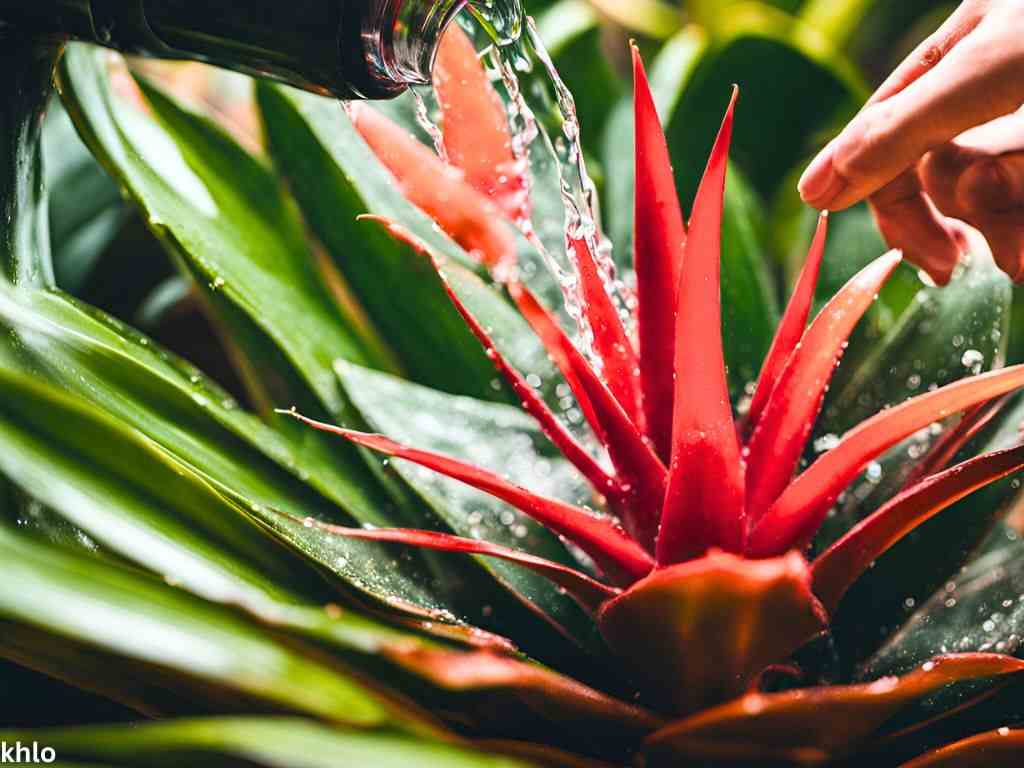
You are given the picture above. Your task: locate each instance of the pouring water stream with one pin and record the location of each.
(550, 149)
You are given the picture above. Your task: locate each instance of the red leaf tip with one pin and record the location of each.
(704, 501)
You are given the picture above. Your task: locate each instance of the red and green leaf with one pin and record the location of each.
(600, 538)
(812, 724)
(701, 632)
(796, 515)
(835, 570)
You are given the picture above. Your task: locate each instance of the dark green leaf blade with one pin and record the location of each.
(66, 602)
(241, 458)
(221, 211)
(946, 335)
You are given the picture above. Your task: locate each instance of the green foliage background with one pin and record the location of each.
(186, 289)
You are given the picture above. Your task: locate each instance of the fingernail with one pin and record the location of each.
(820, 184)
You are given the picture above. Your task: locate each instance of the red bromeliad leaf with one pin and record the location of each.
(558, 698)
(535, 406)
(799, 511)
(622, 558)
(621, 368)
(704, 502)
(808, 726)
(659, 237)
(1001, 748)
(953, 440)
(780, 436)
(635, 461)
(699, 633)
(589, 592)
(557, 344)
(791, 328)
(467, 216)
(835, 570)
(637, 465)
(476, 135)
(531, 401)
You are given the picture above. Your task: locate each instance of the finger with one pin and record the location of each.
(931, 50)
(979, 178)
(976, 82)
(909, 221)
(819, 184)
(991, 194)
(944, 168)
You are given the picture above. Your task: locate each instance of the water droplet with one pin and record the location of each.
(973, 359)
(826, 443)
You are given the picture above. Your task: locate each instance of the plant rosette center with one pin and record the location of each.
(702, 632)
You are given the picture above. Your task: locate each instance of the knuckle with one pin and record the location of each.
(932, 54)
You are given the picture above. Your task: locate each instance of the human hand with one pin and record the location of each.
(939, 144)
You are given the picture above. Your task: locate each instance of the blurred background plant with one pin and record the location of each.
(123, 243)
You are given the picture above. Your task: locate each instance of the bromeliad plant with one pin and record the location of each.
(702, 583)
(191, 557)
(703, 586)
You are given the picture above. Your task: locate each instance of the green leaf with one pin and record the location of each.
(836, 19)
(74, 604)
(136, 500)
(189, 417)
(336, 178)
(130, 496)
(399, 582)
(267, 742)
(86, 208)
(283, 320)
(220, 211)
(406, 583)
(946, 334)
(980, 610)
(1015, 352)
(750, 309)
(24, 241)
(714, 13)
(21, 510)
(496, 437)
